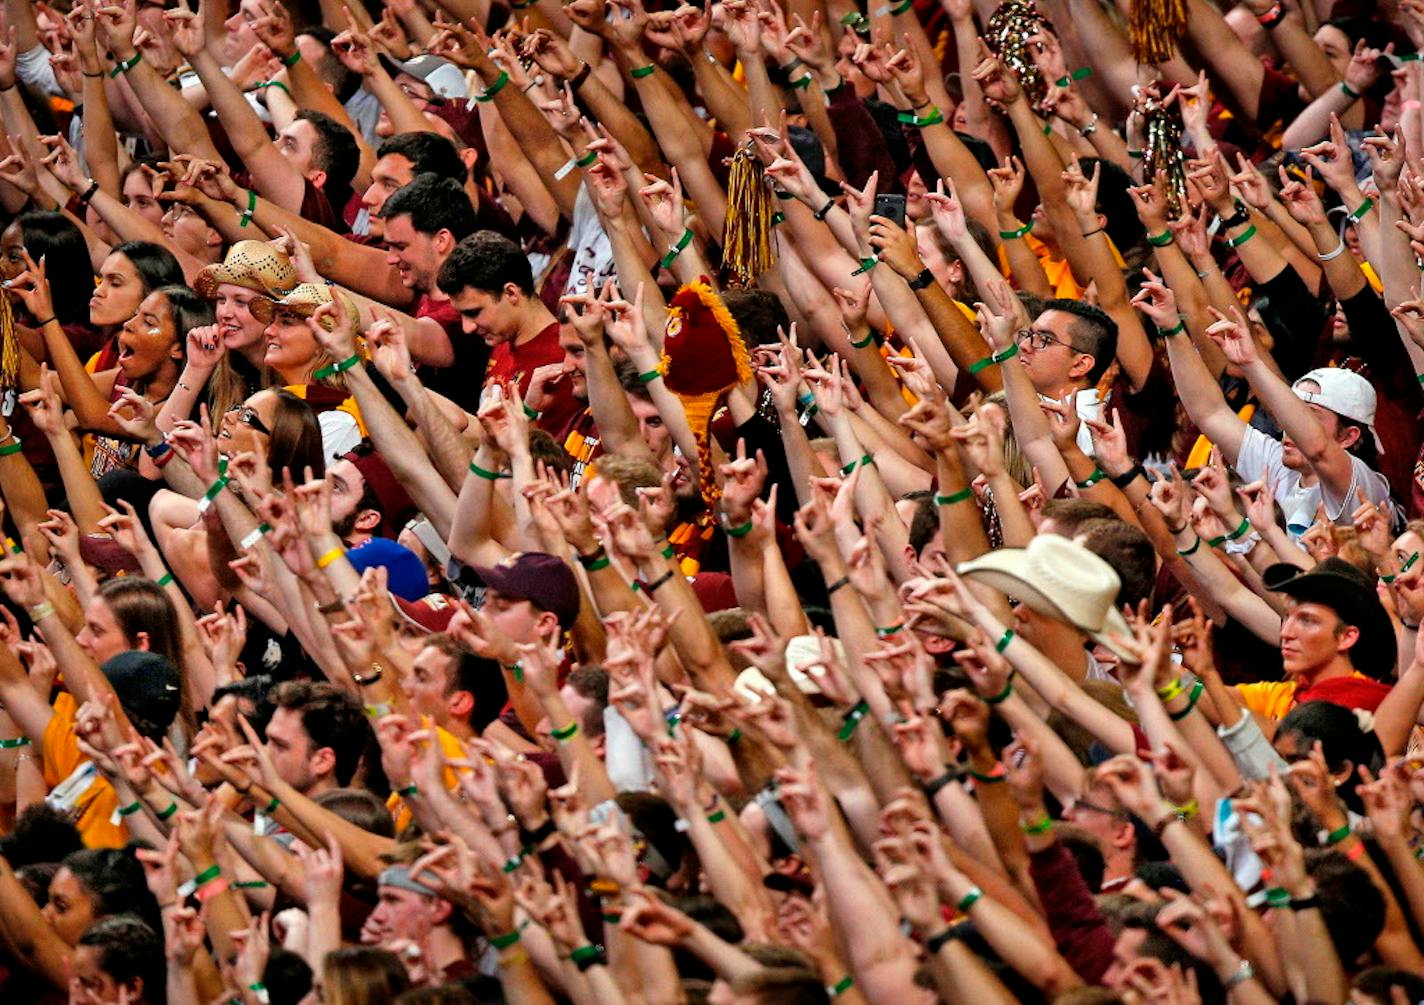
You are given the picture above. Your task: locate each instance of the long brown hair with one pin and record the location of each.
(363, 975)
(141, 605)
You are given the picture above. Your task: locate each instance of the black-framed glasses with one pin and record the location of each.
(1039, 340)
(1088, 804)
(247, 415)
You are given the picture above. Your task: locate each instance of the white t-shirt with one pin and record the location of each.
(593, 255)
(1260, 457)
(1088, 407)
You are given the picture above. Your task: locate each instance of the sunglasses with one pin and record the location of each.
(247, 415)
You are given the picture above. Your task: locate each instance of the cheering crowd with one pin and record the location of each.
(769, 502)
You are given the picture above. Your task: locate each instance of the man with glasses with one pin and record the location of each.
(1068, 348)
(1099, 814)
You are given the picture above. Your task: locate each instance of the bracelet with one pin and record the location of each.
(260, 991)
(1160, 240)
(1349, 91)
(1186, 710)
(1170, 691)
(126, 65)
(865, 461)
(214, 490)
(963, 495)
(936, 942)
(1093, 232)
(486, 474)
(598, 560)
(741, 531)
(1098, 475)
(1189, 552)
(410, 790)
(1240, 530)
(982, 364)
(129, 810)
(971, 897)
(1082, 73)
(1003, 354)
(165, 814)
(1338, 835)
(1244, 971)
(1013, 235)
(796, 63)
(49, 320)
(1090, 128)
(12, 448)
(19, 741)
(40, 611)
(1187, 810)
(205, 877)
(800, 83)
(1311, 903)
(993, 777)
(86, 73)
(1236, 219)
(648, 376)
(293, 59)
(870, 335)
(1003, 695)
(933, 787)
(1242, 237)
(330, 556)
(504, 941)
(1362, 209)
(885, 633)
(661, 580)
(587, 956)
(332, 369)
(852, 720)
(275, 83)
(640, 72)
(1176, 329)
(214, 889)
(866, 264)
(257, 533)
(1004, 641)
(923, 281)
(577, 80)
(825, 210)
(843, 985)
(567, 733)
(369, 679)
(843, 581)
(489, 92)
(271, 807)
(540, 834)
(245, 217)
(1330, 256)
(1277, 897)
(677, 249)
(717, 817)
(1125, 479)
(934, 118)
(1041, 827)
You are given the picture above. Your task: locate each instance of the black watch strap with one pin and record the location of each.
(922, 281)
(1123, 480)
(932, 787)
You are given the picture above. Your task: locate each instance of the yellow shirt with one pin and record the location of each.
(454, 751)
(1274, 699)
(75, 782)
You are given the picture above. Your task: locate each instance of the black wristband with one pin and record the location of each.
(932, 787)
(577, 80)
(536, 837)
(936, 942)
(88, 193)
(833, 587)
(1306, 903)
(825, 210)
(922, 281)
(1236, 219)
(1125, 479)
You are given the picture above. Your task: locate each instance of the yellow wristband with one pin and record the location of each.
(330, 556)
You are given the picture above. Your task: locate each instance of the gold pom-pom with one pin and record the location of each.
(1007, 33)
(747, 248)
(1153, 28)
(1162, 154)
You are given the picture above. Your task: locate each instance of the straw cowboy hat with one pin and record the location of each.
(1055, 577)
(255, 265)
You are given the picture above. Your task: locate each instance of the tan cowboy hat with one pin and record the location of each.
(1057, 578)
(304, 299)
(255, 265)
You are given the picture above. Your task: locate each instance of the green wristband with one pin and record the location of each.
(1242, 237)
(126, 65)
(852, 720)
(648, 376)
(489, 92)
(963, 495)
(640, 72)
(488, 475)
(293, 59)
(12, 448)
(1013, 235)
(1160, 240)
(332, 369)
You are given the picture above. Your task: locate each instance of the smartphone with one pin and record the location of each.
(892, 207)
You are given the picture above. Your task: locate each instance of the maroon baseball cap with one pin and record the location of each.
(544, 580)
(396, 505)
(431, 612)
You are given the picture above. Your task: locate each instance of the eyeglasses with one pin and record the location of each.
(1039, 340)
(1087, 804)
(247, 415)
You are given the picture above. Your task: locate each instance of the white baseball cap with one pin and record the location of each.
(1343, 392)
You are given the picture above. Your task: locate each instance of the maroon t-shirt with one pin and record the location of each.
(471, 355)
(518, 363)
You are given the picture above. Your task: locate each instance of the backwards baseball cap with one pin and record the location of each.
(148, 689)
(405, 572)
(1344, 392)
(443, 76)
(544, 580)
(395, 503)
(431, 613)
(1338, 585)
(401, 878)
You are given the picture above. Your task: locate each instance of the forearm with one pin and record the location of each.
(428, 484)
